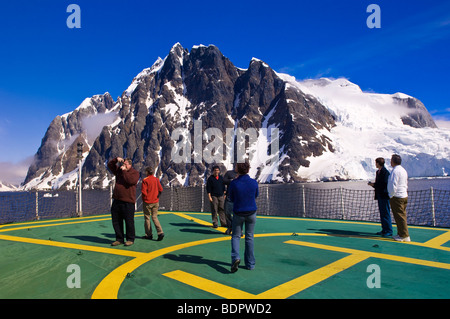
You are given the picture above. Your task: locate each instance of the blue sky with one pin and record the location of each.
(47, 69)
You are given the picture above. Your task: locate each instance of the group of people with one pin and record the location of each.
(391, 192)
(232, 197)
(233, 202)
(124, 199)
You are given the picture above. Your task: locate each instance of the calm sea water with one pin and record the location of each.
(414, 184)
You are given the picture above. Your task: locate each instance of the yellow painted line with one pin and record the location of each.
(109, 286)
(301, 283)
(429, 244)
(200, 221)
(439, 240)
(408, 260)
(322, 220)
(213, 287)
(343, 222)
(51, 225)
(282, 291)
(50, 221)
(113, 251)
(60, 222)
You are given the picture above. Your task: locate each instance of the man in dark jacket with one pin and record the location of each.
(124, 199)
(216, 193)
(382, 196)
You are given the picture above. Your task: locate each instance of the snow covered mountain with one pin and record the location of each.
(328, 129)
(370, 125)
(6, 187)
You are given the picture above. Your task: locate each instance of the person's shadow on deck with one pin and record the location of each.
(343, 233)
(193, 259)
(95, 239)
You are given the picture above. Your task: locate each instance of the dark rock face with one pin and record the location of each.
(204, 85)
(57, 152)
(201, 86)
(418, 115)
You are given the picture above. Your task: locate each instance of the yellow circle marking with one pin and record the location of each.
(109, 286)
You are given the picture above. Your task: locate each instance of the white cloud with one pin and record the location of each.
(15, 173)
(94, 124)
(442, 122)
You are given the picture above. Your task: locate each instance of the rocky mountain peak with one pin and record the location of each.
(181, 91)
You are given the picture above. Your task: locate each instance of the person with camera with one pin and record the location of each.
(124, 199)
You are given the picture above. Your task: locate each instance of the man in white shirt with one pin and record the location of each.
(398, 194)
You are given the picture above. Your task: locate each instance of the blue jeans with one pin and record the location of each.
(385, 216)
(229, 213)
(238, 222)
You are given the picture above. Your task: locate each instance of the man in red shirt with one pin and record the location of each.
(151, 189)
(124, 199)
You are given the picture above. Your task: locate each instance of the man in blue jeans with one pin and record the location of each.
(243, 191)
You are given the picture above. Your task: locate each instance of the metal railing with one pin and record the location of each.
(430, 207)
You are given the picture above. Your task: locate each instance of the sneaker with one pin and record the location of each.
(235, 265)
(116, 243)
(398, 238)
(148, 237)
(129, 243)
(160, 237)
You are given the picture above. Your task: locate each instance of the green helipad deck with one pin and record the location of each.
(295, 258)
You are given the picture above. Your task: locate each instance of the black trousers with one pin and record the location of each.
(122, 211)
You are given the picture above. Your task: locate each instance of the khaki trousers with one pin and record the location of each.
(218, 208)
(151, 210)
(398, 206)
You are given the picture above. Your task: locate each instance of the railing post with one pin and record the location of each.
(303, 202)
(342, 203)
(111, 193)
(37, 204)
(203, 198)
(77, 205)
(433, 212)
(171, 198)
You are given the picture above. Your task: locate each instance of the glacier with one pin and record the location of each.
(369, 125)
